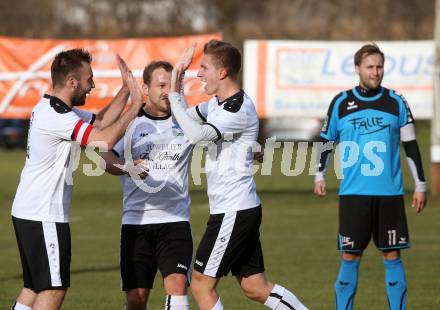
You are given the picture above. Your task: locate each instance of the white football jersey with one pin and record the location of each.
(162, 197)
(229, 164)
(45, 188)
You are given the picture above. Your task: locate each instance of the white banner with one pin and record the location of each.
(300, 78)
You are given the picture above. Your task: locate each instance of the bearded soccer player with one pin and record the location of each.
(155, 232)
(229, 123)
(371, 202)
(42, 202)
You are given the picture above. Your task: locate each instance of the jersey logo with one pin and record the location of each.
(402, 240)
(369, 125)
(351, 105)
(199, 263)
(346, 242)
(182, 266)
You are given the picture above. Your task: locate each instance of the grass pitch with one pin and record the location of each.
(298, 237)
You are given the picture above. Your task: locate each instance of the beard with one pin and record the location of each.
(79, 97)
(371, 84)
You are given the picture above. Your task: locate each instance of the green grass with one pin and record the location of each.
(298, 237)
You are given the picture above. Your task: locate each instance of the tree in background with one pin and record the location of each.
(276, 19)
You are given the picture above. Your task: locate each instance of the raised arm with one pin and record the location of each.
(111, 112)
(192, 129)
(188, 119)
(108, 136)
(177, 78)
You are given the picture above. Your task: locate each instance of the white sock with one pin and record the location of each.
(19, 306)
(218, 305)
(175, 302)
(282, 299)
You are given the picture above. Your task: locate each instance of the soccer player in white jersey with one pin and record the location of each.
(41, 204)
(232, 239)
(155, 232)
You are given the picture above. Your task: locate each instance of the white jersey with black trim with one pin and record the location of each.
(229, 165)
(45, 188)
(162, 197)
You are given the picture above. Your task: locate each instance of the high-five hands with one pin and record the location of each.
(187, 56)
(129, 81)
(182, 64)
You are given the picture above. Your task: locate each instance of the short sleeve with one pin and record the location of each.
(86, 116)
(68, 126)
(405, 115)
(329, 129)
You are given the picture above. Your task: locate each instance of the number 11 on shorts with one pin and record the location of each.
(392, 237)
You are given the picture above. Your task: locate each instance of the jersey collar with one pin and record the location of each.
(58, 102)
(367, 94)
(237, 95)
(142, 112)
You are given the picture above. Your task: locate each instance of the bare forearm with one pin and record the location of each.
(105, 138)
(113, 110)
(113, 164)
(108, 136)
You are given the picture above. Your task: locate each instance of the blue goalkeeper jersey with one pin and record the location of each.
(366, 126)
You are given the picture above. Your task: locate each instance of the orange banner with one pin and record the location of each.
(25, 68)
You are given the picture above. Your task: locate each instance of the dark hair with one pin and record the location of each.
(367, 50)
(67, 62)
(148, 71)
(227, 55)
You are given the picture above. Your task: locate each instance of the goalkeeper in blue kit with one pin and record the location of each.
(368, 122)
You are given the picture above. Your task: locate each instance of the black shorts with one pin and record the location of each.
(145, 248)
(231, 243)
(382, 217)
(44, 252)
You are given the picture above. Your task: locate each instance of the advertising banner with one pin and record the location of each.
(25, 68)
(300, 78)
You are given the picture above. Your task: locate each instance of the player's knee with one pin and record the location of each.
(257, 293)
(28, 291)
(391, 255)
(137, 297)
(351, 256)
(175, 284)
(61, 293)
(53, 294)
(198, 285)
(197, 288)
